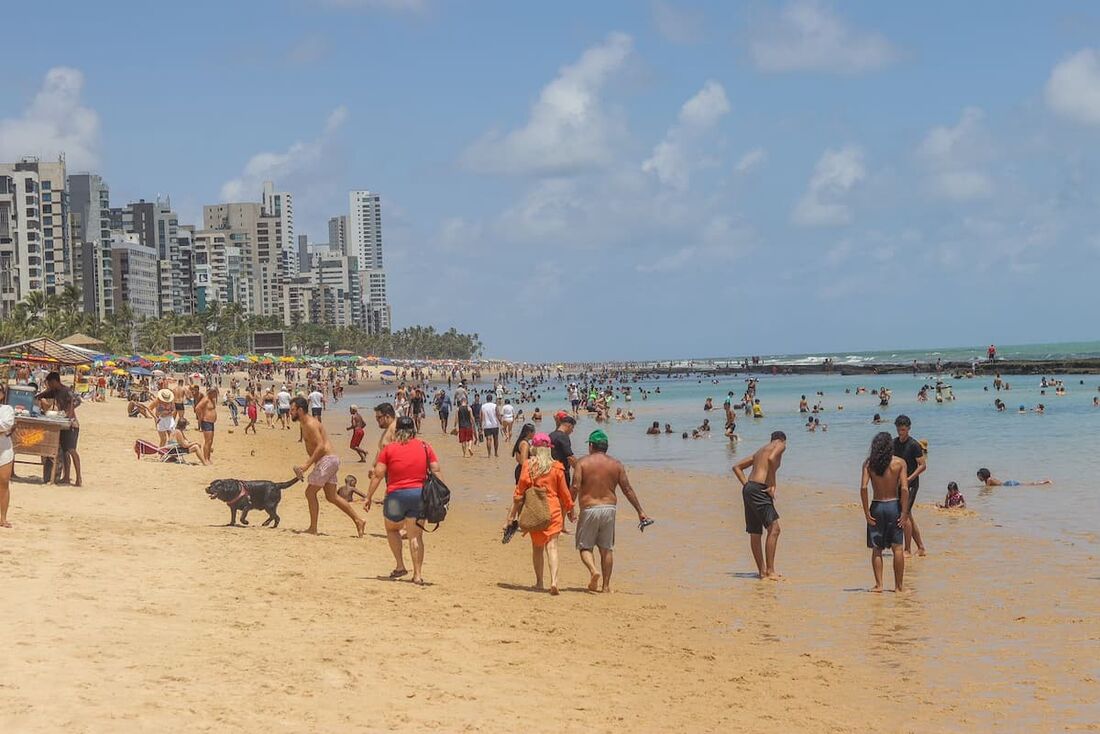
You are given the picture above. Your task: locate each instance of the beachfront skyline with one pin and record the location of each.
(672, 179)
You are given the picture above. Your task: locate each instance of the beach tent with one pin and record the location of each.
(343, 353)
(45, 350)
(83, 340)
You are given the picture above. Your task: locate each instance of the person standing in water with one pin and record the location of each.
(888, 515)
(758, 494)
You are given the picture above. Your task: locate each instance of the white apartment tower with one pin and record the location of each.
(364, 241)
(35, 235)
(90, 205)
(280, 204)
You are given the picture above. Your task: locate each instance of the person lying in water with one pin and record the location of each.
(989, 480)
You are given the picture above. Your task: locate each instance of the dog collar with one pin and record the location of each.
(239, 497)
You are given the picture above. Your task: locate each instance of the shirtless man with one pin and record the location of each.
(386, 418)
(358, 429)
(595, 479)
(207, 413)
(758, 494)
(888, 515)
(179, 395)
(325, 463)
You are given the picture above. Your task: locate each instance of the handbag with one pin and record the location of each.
(535, 513)
(435, 498)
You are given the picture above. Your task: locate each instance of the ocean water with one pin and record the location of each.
(963, 435)
(1061, 350)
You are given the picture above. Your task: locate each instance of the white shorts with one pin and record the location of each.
(7, 453)
(269, 408)
(166, 424)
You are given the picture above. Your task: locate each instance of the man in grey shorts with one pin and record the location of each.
(595, 479)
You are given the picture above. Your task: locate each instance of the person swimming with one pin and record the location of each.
(989, 480)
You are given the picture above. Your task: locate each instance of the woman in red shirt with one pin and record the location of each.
(540, 470)
(404, 463)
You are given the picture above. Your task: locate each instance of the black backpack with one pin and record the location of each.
(434, 499)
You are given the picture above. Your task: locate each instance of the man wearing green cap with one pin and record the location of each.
(595, 479)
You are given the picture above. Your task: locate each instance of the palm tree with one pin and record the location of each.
(70, 298)
(35, 302)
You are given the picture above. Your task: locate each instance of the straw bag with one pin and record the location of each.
(535, 513)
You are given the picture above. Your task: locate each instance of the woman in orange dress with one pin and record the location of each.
(540, 470)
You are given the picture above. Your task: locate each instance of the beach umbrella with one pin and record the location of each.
(387, 373)
(83, 367)
(118, 372)
(109, 363)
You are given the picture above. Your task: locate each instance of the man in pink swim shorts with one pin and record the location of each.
(325, 463)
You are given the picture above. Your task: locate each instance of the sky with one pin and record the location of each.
(620, 180)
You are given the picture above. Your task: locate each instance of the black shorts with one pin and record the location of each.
(68, 439)
(492, 431)
(206, 426)
(284, 411)
(179, 407)
(885, 533)
(315, 412)
(759, 508)
(913, 496)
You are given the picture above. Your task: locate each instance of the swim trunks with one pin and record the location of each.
(596, 528)
(206, 426)
(315, 412)
(69, 438)
(885, 533)
(179, 406)
(357, 437)
(402, 504)
(1010, 483)
(760, 510)
(284, 411)
(324, 471)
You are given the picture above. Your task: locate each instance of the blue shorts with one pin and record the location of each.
(1010, 483)
(401, 504)
(885, 533)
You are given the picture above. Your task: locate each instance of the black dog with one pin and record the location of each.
(245, 496)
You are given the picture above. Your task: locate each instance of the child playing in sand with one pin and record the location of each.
(991, 481)
(954, 497)
(350, 489)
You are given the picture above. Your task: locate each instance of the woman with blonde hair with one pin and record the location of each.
(542, 472)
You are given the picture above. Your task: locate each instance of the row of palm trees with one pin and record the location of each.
(226, 329)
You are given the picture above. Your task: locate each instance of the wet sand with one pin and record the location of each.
(128, 606)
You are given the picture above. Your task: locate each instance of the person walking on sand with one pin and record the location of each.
(758, 494)
(490, 423)
(207, 413)
(179, 397)
(404, 463)
(322, 456)
(540, 470)
(910, 450)
(7, 454)
(386, 418)
(282, 405)
(888, 514)
(595, 479)
(358, 429)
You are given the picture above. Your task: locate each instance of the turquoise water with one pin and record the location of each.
(963, 435)
(1062, 350)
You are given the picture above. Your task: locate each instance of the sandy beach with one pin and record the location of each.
(128, 606)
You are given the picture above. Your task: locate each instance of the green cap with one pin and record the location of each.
(597, 436)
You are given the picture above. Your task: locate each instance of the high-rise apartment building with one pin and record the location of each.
(259, 238)
(329, 293)
(338, 234)
(157, 226)
(36, 247)
(364, 240)
(135, 266)
(90, 207)
(281, 204)
(303, 253)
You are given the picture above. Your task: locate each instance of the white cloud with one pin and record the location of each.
(837, 172)
(954, 156)
(56, 122)
(308, 49)
(752, 159)
(568, 129)
(301, 163)
(457, 233)
(808, 36)
(1073, 90)
(677, 24)
(671, 159)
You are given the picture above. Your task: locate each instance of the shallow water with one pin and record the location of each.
(963, 435)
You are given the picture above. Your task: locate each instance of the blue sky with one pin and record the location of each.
(621, 179)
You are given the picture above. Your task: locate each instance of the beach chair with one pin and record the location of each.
(164, 454)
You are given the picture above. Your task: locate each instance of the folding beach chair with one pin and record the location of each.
(164, 454)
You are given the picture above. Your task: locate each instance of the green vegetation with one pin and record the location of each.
(226, 329)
